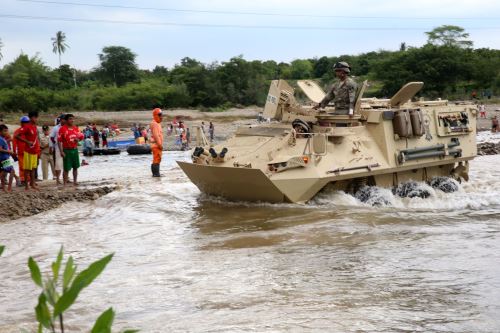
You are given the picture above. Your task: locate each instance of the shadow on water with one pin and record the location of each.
(214, 216)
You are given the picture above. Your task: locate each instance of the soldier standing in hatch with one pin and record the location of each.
(343, 92)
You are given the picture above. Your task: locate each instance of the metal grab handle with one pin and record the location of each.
(369, 167)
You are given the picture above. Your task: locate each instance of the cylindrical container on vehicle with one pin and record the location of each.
(417, 122)
(402, 124)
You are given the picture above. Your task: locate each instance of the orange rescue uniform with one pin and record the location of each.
(156, 138)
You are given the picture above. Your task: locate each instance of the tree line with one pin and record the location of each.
(448, 64)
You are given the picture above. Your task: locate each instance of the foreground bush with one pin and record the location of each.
(61, 289)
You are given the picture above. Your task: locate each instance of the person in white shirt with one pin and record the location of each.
(54, 148)
(482, 111)
(46, 157)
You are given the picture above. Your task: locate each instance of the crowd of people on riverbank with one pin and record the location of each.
(490, 115)
(183, 133)
(97, 138)
(100, 137)
(141, 133)
(56, 148)
(495, 126)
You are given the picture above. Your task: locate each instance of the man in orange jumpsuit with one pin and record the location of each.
(156, 141)
(18, 147)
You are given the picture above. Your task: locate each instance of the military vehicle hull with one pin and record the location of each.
(302, 151)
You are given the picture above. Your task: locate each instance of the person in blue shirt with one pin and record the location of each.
(6, 166)
(88, 147)
(137, 131)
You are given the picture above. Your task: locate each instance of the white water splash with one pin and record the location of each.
(487, 136)
(480, 193)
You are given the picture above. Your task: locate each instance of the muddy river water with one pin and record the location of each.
(188, 263)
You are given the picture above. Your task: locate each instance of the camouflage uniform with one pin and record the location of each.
(343, 94)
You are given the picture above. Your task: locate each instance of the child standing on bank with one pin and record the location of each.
(6, 166)
(68, 138)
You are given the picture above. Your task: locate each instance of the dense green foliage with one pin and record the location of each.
(117, 66)
(447, 64)
(449, 35)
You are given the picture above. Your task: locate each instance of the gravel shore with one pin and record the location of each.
(20, 203)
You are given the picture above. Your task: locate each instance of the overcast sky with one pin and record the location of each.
(166, 45)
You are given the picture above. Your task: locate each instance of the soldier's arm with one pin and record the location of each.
(328, 97)
(352, 94)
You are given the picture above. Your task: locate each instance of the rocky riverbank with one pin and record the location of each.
(488, 148)
(21, 203)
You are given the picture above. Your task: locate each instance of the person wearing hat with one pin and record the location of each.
(18, 147)
(343, 92)
(156, 141)
(54, 148)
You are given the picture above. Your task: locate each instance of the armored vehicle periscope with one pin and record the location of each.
(386, 143)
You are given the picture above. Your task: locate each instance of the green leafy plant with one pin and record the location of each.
(61, 289)
(52, 304)
(104, 322)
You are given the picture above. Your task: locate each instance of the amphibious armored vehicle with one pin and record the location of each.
(299, 151)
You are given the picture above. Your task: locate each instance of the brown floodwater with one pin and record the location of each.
(189, 263)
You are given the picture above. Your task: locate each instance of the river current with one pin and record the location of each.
(185, 262)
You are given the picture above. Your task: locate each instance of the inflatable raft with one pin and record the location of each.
(139, 149)
(103, 151)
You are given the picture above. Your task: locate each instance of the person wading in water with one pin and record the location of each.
(156, 141)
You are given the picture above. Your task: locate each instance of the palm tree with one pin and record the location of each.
(59, 44)
(1, 45)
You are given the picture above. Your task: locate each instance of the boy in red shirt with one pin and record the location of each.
(68, 138)
(28, 134)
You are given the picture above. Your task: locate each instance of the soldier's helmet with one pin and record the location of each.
(342, 66)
